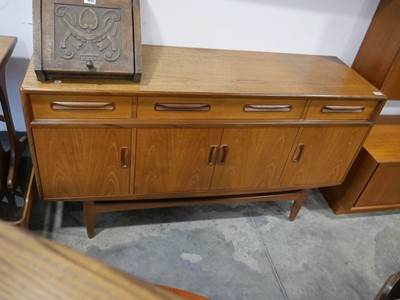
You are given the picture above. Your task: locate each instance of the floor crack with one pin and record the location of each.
(266, 252)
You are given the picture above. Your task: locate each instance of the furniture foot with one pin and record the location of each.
(298, 203)
(89, 209)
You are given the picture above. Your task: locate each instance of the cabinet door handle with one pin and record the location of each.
(212, 155)
(342, 109)
(298, 153)
(267, 107)
(222, 154)
(124, 157)
(59, 105)
(182, 107)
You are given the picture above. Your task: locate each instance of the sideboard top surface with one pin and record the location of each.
(225, 73)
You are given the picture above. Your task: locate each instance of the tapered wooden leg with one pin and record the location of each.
(298, 203)
(89, 209)
(17, 146)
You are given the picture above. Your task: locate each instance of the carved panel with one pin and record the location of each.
(87, 34)
(88, 39)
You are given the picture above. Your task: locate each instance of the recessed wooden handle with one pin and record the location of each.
(182, 107)
(223, 154)
(267, 107)
(342, 109)
(212, 155)
(299, 152)
(58, 105)
(124, 157)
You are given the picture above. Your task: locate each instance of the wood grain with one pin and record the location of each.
(342, 197)
(220, 108)
(174, 160)
(382, 188)
(328, 153)
(383, 143)
(315, 110)
(378, 59)
(225, 73)
(82, 162)
(255, 159)
(41, 107)
(372, 183)
(35, 268)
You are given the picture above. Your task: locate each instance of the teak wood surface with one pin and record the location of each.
(174, 71)
(383, 142)
(35, 268)
(372, 182)
(322, 147)
(378, 58)
(204, 125)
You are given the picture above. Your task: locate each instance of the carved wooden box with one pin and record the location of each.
(87, 39)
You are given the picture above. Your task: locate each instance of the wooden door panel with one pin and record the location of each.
(82, 162)
(382, 188)
(174, 159)
(326, 156)
(255, 157)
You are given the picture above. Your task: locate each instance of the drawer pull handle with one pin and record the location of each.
(124, 157)
(299, 152)
(222, 155)
(212, 155)
(182, 107)
(267, 107)
(342, 109)
(57, 105)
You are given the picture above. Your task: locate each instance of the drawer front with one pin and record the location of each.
(78, 107)
(340, 110)
(205, 108)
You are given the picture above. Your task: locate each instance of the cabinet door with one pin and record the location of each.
(83, 162)
(252, 157)
(174, 159)
(322, 155)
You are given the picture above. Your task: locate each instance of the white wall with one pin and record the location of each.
(322, 27)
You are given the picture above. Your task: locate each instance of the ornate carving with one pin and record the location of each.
(87, 34)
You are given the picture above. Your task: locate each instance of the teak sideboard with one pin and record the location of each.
(203, 126)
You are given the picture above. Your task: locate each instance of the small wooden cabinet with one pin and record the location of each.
(203, 126)
(373, 181)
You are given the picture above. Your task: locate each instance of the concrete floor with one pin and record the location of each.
(239, 251)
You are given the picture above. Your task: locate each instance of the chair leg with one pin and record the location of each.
(298, 203)
(390, 289)
(17, 146)
(89, 209)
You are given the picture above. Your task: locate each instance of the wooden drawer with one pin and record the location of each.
(340, 110)
(206, 108)
(79, 107)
